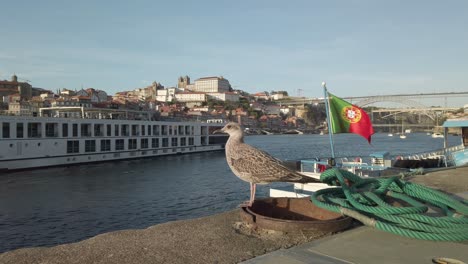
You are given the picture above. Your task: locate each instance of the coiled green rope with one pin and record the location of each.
(367, 201)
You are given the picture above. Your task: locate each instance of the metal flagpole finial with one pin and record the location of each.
(324, 84)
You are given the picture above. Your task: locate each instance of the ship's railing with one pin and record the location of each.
(355, 165)
(450, 159)
(106, 113)
(442, 154)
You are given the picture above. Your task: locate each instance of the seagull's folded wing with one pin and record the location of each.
(260, 167)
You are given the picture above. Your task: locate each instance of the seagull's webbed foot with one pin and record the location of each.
(245, 204)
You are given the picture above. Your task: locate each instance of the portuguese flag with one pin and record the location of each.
(348, 118)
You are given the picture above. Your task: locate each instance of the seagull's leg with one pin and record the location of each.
(253, 188)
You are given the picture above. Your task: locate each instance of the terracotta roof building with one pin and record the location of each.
(13, 86)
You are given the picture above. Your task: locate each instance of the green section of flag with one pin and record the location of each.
(338, 123)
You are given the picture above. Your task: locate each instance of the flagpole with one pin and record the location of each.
(327, 110)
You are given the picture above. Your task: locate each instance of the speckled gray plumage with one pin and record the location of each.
(254, 165)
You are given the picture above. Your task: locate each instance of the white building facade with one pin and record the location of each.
(190, 97)
(229, 96)
(210, 85)
(166, 95)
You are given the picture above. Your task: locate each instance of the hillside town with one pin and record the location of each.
(205, 99)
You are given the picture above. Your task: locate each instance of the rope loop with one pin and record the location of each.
(394, 205)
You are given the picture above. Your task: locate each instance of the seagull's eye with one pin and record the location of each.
(228, 126)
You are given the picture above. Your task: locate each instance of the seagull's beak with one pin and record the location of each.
(219, 131)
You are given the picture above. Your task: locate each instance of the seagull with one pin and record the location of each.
(253, 165)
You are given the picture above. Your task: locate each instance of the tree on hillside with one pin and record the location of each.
(316, 114)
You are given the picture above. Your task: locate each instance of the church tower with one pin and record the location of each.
(183, 82)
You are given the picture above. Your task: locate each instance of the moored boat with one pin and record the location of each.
(32, 142)
(294, 132)
(375, 165)
(458, 155)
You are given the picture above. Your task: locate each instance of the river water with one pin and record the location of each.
(53, 206)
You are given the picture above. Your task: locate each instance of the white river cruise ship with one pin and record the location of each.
(75, 136)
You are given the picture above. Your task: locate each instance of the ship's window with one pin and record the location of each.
(142, 130)
(98, 130)
(183, 141)
(75, 130)
(149, 130)
(203, 140)
(90, 145)
(119, 144)
(175, 130)
(34, 130)
(174, 142)
(109, 130)
(135, 130)
(193, 131)
(144, 143)
(73, 146)
(187, 130)
(170, 130)
(164, 130)
(165, 142)
(105, 145)
(155, 130)
(132, 143)
(190, 141)
(6, 130)
(124, 130)
(19, 130)
(51, 129)
(116, 130)
(155, 143)
(85, 130)
(181, 130)
(64, 130)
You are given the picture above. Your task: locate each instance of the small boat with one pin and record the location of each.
(265, 132)
(402, 134)
(294, 131)
(437, 135)
(374, 165)
(390, 134)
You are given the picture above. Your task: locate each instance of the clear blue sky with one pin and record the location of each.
(359, 47)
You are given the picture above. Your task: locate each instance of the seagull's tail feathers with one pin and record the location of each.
(301, 178)
(307, 179)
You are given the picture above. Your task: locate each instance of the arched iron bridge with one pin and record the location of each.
(402, 99)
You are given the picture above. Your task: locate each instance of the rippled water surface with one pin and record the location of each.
(60, 205)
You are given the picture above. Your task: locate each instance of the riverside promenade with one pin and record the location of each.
(222, 238)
